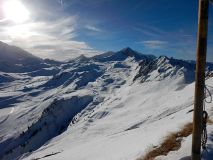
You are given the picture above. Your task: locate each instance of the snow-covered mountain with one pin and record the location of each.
(14, 58)
(110, 106)
(14, 62)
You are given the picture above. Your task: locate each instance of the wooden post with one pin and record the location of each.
(200, 78)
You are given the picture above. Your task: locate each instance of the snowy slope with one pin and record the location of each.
(111, 106)
(126, 125)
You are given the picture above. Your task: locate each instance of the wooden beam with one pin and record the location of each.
(200, 78)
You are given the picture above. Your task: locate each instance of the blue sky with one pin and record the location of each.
(64, 29)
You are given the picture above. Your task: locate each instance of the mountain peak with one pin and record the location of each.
(133, 53)
(128, 49)
(130, 52)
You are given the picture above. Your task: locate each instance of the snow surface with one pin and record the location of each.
(114, 106)
(125, 126)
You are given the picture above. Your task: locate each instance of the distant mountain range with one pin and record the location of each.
(80, 108)
(16, 60)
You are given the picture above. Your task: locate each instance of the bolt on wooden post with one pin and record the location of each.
(200, 78)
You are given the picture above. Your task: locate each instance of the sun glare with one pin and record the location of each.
(16, 11)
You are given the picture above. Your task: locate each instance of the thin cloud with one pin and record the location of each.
(154, 44)
(157, 41)
(60, 2)
(93, 28)
(47, 37)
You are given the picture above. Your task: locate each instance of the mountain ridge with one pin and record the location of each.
(106, 96)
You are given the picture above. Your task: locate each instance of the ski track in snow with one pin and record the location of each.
(12, 110)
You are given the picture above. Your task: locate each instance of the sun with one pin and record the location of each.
(15, 11)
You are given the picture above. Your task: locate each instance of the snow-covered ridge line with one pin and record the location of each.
(164, 67)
